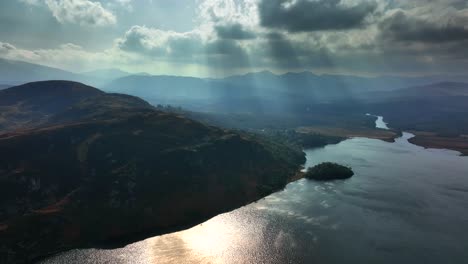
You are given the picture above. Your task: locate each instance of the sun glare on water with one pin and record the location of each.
(218, 240)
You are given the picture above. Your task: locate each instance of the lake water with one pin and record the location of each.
(405, 204)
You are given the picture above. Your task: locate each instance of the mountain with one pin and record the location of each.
(262, 91)
(435, 89)
(100, 169)
(106, 74)
(31, 104)
(4, 86)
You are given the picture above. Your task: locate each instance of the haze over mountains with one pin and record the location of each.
(290, 99)
(261, 87)
(19, 72)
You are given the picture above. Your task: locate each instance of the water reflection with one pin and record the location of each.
(406, 204)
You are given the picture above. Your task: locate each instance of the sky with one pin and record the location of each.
(213, 38)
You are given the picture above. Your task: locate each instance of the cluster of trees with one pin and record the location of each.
(329, 171)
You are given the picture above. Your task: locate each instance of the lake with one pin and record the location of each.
(405, 204)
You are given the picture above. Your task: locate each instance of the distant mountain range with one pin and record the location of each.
(106, 74)
(264, 90)
(435, 89)
(261, 92)
(171, 89)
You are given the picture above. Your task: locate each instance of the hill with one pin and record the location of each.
(4, 86)
(108, 168)
(31, 104)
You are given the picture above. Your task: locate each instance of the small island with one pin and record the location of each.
(329, 171)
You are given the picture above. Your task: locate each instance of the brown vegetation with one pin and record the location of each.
(432, 140)
(386, 135)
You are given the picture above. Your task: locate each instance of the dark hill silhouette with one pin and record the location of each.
(41, 94)
(31, 104)
(4, 86)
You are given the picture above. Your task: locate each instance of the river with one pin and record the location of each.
(405, 204)
(379, 122)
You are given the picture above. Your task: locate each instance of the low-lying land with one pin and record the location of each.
(433, 140)
(386, 135)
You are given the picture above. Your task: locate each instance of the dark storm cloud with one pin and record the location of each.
(306, 15)
(225, 53)
(233, 31)
(281, 49)
(402, 27)
(159, 43)
(183, 47)
(282, 52)
(223, 47)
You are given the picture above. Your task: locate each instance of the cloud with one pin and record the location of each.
(160, 43)
(6, 47)
(233, 31)
(316, 15)
(31, 2)
(82, 12)
(403, 27)
(367, 36)
(178, 48)
(67, 56)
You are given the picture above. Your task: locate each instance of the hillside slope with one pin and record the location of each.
(111, 168)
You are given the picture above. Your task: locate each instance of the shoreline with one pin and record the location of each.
(434, 141)
(129, 239)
